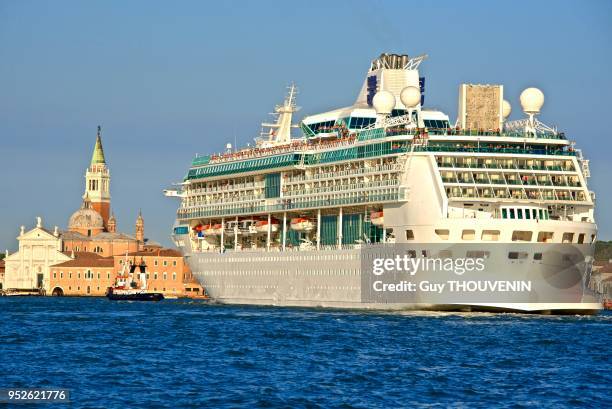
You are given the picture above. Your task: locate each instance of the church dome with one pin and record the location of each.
(86, 218)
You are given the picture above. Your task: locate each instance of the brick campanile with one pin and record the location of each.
(97, 181)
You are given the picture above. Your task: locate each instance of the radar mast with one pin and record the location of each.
(279, 132)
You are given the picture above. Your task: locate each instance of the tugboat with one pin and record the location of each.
(126, 288)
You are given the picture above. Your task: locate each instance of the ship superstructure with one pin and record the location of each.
(283, 222)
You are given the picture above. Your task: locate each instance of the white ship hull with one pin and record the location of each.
(332, 279)
(394, 172)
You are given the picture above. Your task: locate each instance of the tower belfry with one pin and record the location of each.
(97, 181)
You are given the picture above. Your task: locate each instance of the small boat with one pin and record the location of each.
(377, 218)
(301, 224)
(126, 288)
(262, 226)
(209, 230)
(217, 229)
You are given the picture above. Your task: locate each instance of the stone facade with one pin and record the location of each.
(28, 268)
(1, 274)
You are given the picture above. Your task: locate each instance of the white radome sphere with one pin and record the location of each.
(383, 102)
(506, 109)
(532, 100)
(410, 97)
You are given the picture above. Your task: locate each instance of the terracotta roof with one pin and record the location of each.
(87, 261)
(82, 254)
(104, 236)
(163, 252)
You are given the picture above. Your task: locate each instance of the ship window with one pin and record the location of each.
(541, 214)
(545, 237)
(567, 238)
(521, 235)
(537, 256)
(490, 235)
(581, 238)
(409, 235)
(504, 213)
(519, 213)
(512, 213)
(517, 255)
(468, 234)
(527, 214)
(477, 254)
(442, 233)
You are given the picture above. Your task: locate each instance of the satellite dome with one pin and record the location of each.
(410, 97)
(383, 102)
(532, 100)
(506, 109)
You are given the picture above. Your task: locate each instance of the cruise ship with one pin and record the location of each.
(286, 221)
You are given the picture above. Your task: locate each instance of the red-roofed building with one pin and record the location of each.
(89, 274)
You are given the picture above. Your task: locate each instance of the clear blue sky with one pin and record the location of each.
(169, 79)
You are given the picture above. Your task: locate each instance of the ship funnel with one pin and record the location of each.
(391, 73)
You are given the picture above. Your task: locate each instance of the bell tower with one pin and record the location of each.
(97, 181)
(140, 227)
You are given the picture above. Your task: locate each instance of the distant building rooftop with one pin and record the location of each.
(160, 252)
(104, 236)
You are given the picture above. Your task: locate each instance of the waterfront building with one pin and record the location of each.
(90, 274)
(85, 274)
(92, 229)
(28, 268)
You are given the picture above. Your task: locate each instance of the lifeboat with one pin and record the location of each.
(262, 226)
(217, 229)
(377, 218)
(207, 229)
(198, 230)
(301, 224)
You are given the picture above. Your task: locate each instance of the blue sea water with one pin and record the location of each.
(183, 354)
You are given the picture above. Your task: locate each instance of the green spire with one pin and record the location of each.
(98, 153)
